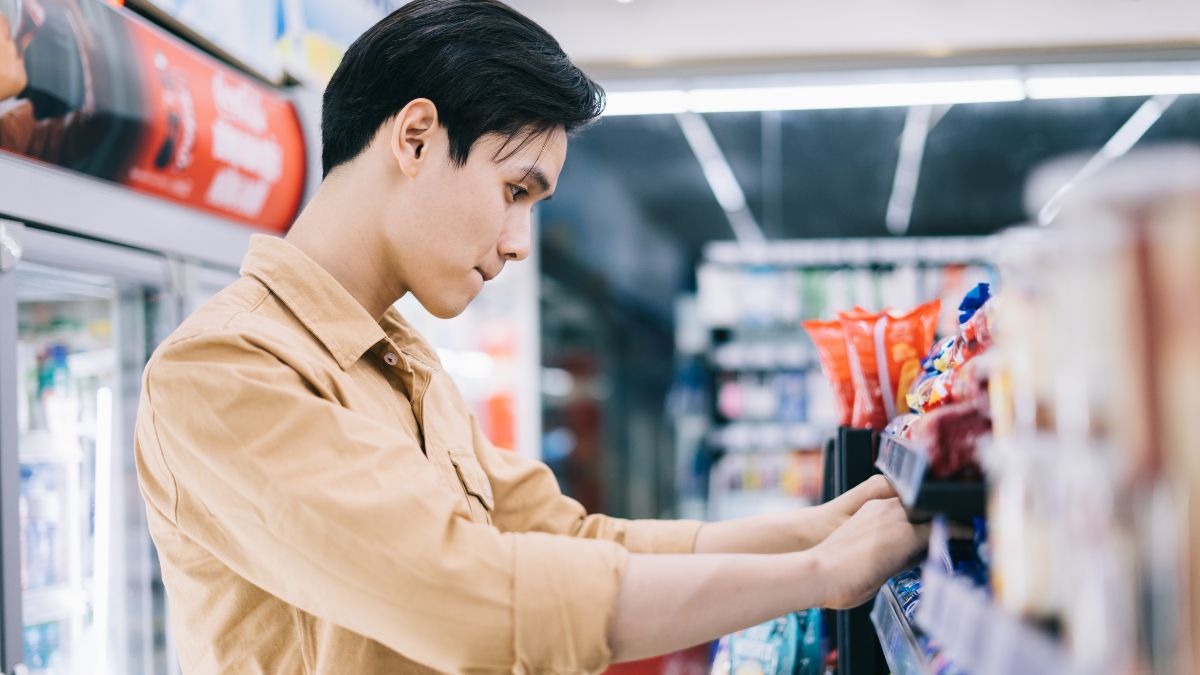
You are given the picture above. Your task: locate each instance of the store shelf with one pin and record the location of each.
(900, 647)
(906, 464)
(767, 436)
(980, 636)
(793, 354)
(39, 447)
(55, 603)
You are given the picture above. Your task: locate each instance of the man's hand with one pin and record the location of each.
(833, 513)
(873, 545)
(13, 78)
(796, 530)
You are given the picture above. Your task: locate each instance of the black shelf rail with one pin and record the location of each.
(849, 460)
(906, 464)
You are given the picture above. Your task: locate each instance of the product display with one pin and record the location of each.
(789, 645)
(885, 351)
(830, 340)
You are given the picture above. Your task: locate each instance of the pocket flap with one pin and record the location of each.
(473, 478)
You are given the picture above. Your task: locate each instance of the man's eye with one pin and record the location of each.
(517, 191)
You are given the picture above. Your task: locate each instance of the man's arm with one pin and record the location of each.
(528, 499)
(796, 530)
(670, 602)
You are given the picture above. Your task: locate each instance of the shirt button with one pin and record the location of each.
(391, 358)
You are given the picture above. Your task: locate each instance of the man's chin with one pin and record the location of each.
(445, 308)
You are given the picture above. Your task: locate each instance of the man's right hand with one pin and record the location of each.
(873, 545)
(13, 78)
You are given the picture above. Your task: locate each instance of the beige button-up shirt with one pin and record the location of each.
(323, 501)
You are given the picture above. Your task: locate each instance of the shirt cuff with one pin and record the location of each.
(661, 536)
(565, 596)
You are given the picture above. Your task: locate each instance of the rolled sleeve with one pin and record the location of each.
(566, 593)
(528, 499)
(661, 536)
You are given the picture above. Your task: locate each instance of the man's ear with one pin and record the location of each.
(412, 133)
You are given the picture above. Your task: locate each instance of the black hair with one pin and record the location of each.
(487, 68)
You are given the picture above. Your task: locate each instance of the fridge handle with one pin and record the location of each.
(12, 239)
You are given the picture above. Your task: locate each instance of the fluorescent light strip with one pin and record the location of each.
(670, 102)
(1111, 86)
(894, 94)
(825, 97)
(1116, 147)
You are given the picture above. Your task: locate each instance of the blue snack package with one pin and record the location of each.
(766, 649)
(973, 301)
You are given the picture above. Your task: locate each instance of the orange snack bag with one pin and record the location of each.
(835, 363)
(885, 352)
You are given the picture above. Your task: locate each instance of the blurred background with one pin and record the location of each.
(761, 165)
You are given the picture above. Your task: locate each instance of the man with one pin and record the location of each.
(320, 495)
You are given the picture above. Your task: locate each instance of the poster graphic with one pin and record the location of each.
(96, 90)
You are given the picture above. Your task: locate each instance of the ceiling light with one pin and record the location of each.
(1110, 86)
(746, 99)
(898, 94)
(646, 103)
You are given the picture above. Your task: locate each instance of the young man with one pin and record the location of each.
(320, 495)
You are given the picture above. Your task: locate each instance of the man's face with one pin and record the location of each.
(472, 220)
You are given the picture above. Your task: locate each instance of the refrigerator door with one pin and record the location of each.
(84, 319)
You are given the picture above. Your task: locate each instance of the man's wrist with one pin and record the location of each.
(805, 579)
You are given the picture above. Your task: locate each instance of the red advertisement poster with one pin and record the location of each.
(93, 89)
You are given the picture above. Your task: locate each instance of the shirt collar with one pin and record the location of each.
(325, 308)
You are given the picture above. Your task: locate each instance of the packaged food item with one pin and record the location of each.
(941, 356)
(975, 298)
(951, 435)
(885, 353)
(831, 352)
(901, 426)
(766, 649)
(932, 391)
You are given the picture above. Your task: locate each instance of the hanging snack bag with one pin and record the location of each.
(885, 353)
(831, 352)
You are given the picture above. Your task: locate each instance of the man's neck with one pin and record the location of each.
(332, 232)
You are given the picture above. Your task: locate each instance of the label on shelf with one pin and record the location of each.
(904, 463)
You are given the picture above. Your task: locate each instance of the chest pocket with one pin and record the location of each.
(475, 483)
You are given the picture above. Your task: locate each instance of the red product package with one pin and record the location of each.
(885, 353)
(835, 363)
(976, 335)
(951, 435)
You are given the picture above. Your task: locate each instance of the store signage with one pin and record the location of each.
(96, 90)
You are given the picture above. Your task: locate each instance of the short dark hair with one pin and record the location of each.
(487, 68)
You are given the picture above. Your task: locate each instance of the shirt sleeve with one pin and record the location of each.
(528, 499)
(344, 518)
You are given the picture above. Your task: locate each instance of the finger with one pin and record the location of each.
(5, 26)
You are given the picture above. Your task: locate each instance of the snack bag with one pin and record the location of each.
(831, 352)
(766, 649)
(885, 353)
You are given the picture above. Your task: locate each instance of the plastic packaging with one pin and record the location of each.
(831, 352)
(885, 353)
(770, 648)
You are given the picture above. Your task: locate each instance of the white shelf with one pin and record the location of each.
(39, 447)
(56, 603)
(92, 363)
(768, 436)
(900, 647)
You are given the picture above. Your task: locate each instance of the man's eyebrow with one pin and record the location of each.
(539, 177)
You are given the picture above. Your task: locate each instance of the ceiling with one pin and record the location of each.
(633, 206)
(616, 39)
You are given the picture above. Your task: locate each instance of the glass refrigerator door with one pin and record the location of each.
(83, 333)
